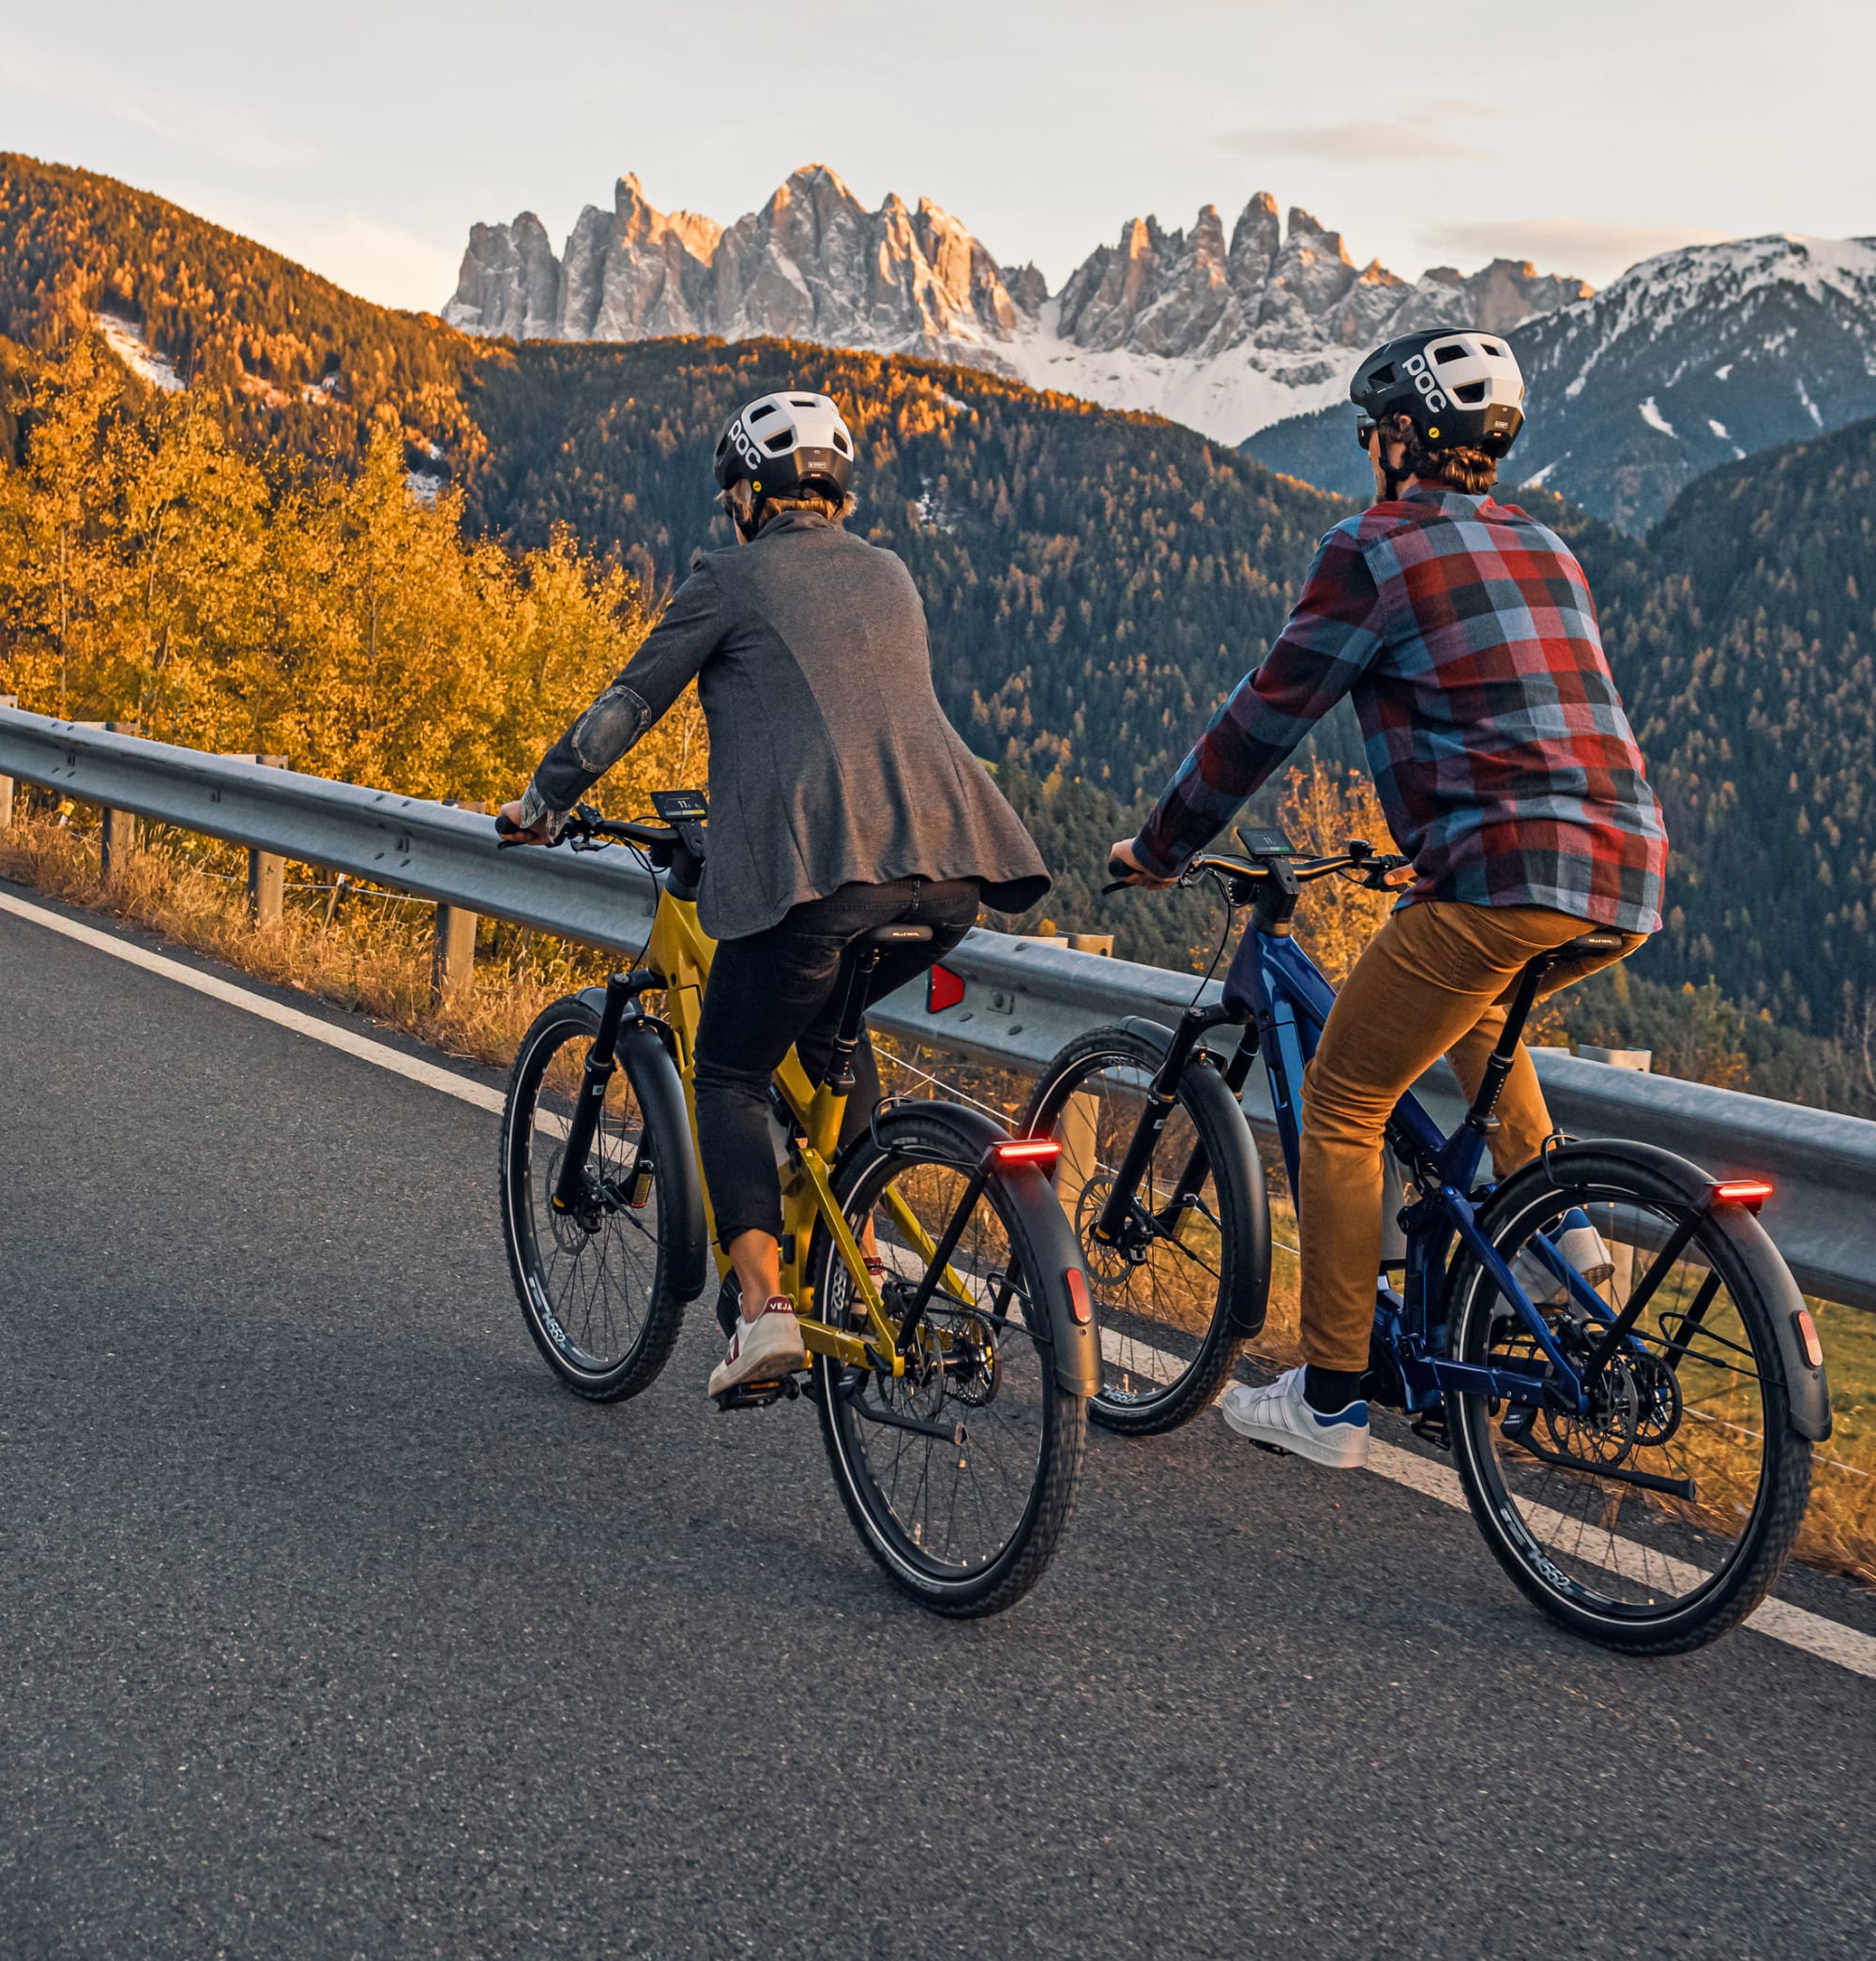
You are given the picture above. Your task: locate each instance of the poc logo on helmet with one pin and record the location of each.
(1424, 380)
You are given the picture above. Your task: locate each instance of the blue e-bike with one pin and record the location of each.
(1607, 1342)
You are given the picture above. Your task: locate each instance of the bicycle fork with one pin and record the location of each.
(1161, 1095)
(571, 1187)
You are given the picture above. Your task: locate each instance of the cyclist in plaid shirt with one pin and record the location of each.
(1465, 634)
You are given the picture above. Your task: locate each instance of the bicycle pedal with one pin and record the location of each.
(757, 1396)
(1432, 1429)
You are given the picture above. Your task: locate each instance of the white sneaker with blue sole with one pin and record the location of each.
(1277, 1416)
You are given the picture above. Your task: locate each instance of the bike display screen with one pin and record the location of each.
(1265, 844)
(680, 805)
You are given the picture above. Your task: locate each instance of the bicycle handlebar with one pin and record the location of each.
(1358, 854)
(585, 823)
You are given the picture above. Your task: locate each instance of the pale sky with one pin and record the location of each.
(365, 139)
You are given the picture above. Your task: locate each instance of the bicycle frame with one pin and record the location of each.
(677, 961)
(1289, 1000)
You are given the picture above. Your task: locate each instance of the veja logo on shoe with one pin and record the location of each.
(1425, 381)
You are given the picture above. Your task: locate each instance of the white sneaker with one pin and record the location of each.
(1581, 1245)
(762, 1351)
(1277, 1415)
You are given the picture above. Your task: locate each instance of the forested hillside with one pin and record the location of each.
(1747, 632)
(1095, 582)
(283, 355)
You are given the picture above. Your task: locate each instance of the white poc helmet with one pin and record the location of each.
(785, 443)
(1461, 388)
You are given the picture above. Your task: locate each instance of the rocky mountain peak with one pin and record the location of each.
(1253, 322)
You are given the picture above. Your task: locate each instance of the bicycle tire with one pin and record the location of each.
(572, 1024)
(1242, 1219)
(1604, 1177)
(1061, 1416)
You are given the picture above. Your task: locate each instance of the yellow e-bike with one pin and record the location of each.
(945, 1309)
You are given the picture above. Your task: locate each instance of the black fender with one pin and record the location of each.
(1076, 1345)
(1206, 1085)
(644, 1049)
(1806, 1389)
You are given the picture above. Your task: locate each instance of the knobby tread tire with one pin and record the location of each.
(1788, 1455)
(1051, 1501)
(1244, 1222)
(573, 1020)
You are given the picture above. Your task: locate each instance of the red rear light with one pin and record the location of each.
(1752, 1192)
(1082, 1310)
(1807, 1336)
(943, 990)
(1027, 1150)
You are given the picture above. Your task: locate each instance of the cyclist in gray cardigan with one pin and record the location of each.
(841, 800)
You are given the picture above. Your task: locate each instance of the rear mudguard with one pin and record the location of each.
(1806, 1391)
(1076, 1346)
(644, 1051)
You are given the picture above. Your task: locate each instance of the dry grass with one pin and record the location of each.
(373, 957)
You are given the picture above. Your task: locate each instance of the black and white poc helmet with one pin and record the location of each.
(1461, 388)
(781, 443)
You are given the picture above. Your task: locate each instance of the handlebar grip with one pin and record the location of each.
(505, 826)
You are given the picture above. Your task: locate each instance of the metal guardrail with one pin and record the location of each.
(1022, 998)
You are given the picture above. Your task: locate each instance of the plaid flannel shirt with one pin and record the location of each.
(1465, 633)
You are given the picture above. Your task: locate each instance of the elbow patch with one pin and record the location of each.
(608, 727)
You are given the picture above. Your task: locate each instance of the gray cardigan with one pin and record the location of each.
(830, 759)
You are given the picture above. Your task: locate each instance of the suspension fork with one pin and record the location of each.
(1161, 1095)
(569, 1187)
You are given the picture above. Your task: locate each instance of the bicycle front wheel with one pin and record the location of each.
(1188, 1280)
(1661, 1517)
(599, 1288)
(959, 1476)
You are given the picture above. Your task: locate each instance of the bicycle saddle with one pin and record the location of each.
(884, 936)
(1601, 940)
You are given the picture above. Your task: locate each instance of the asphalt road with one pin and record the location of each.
(329, 1626)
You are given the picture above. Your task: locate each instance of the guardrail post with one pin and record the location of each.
(267, 873)
(117, 834)
(1622, 1252)
(453, 962)
(6, 782)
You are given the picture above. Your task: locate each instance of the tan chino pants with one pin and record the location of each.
(1435, 981)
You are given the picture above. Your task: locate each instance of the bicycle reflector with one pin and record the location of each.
(1079, 1304)
(1748, 1192)
(943, 990)
(1807, 1337)
(1027, 1150)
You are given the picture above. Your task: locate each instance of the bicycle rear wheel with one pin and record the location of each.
(1662, 1517)
(600, 1290)
(960, 1476)
(1189, 1280)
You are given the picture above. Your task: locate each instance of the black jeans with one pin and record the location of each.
(785, 987)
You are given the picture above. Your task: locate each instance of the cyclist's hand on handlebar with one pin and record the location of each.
(511, 830)
(1125, 869)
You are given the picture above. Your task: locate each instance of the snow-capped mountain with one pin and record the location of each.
(1693, 359)
(1687, 361)
(1226, 334)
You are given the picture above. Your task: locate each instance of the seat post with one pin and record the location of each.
(1504, 1050)
(840, 1077)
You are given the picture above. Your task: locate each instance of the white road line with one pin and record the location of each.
(1829, 1641)
(381, 1053)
